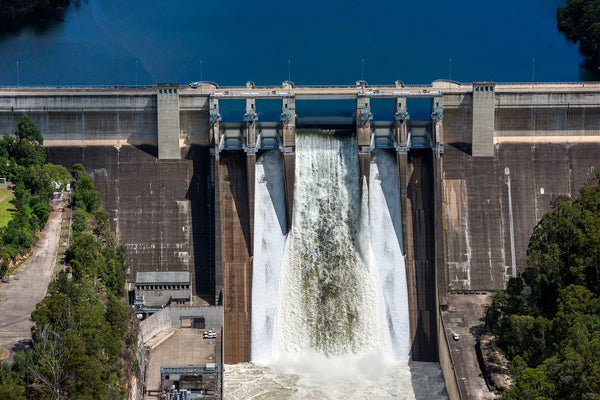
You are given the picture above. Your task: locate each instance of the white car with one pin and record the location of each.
(455, 336)
(210, 334)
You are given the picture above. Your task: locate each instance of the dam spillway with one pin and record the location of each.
(192, 207)
(329, 296)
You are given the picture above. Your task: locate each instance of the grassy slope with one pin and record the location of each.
(7, 209)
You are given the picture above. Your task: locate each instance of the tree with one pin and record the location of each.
(11, 384)
(77, 171)
(49, 357)
(86, 196)
(580, 21)
(548, 320)
(27, 130)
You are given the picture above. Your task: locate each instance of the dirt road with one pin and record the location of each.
(28, 286)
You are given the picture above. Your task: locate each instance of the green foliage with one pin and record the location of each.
(11, 384)
(580, 21)
(79, 220)
(86, 314)
(7, 209)
(82, 326)
(21, 160)
(86, 196)
(27, 130)
(548, 320)
(77, 171)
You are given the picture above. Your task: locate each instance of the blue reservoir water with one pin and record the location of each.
(108, 42)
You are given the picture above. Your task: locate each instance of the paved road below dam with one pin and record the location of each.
(28, 286)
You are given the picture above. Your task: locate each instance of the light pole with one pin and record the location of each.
(512, 228)
(532, 71)
(362, 72)
(289, 70)
(18, 80)
(450, 74)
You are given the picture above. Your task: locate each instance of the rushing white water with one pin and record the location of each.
(342, 380)
(385, 225)
(329, 301)
(269, 245)
(329, 308)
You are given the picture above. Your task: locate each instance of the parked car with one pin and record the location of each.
(210, 334)
(455, 336)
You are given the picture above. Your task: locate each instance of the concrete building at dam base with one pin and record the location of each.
(178, 180)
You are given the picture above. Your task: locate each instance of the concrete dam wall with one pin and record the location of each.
(179, 182)
(162, 210)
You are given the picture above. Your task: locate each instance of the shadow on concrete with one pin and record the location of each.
(274, 176)
(200, 196)
(420, 195)
(148, 149)
(237, 172)
(21, 345)
(465, 147)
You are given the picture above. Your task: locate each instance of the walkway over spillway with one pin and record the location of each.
(171, 116)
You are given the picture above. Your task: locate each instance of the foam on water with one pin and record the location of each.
(385, 223)
(269, 246)
(330, 309)
(317, 377)
(329, 301)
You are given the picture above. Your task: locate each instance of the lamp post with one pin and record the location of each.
(362, 72)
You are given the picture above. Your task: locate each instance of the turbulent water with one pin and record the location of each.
(385, 228)
(340, 379)
(330, 308)
(329, 301)
(269, 246)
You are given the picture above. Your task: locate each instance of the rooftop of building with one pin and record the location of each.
(163, 277)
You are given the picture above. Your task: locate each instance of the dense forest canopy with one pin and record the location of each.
(548, 319)
(580, 21)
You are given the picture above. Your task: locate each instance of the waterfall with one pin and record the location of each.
(329, 299)
(385, 227)
(336, 285)
(269, 245)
